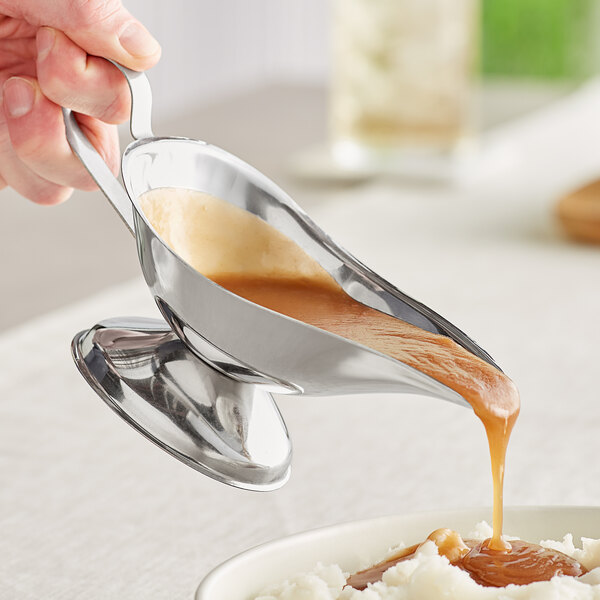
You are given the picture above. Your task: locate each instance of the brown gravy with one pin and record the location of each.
(250, 258)
(524, 563)
(492, 395)
(361, 579)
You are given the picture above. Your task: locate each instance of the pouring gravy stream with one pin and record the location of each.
(248, 257)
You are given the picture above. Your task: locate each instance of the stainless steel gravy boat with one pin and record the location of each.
(240, 340)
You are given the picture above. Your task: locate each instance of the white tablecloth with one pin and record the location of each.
(90, 509)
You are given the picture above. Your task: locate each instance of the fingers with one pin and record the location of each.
(101, 27)
(37, 132)
(24, 180)
(16, 174)
(35, 157)
(85, 84)
(105, 28)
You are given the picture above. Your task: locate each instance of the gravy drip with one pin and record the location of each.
(524, 563)
(255, 261)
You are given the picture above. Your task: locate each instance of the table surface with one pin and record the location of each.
(88, 508)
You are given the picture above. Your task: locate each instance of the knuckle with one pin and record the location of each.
(89, 13)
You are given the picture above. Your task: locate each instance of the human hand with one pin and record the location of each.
(49, 57)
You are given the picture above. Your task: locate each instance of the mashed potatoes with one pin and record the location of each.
(429, 576)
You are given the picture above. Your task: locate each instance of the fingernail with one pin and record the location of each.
(19, 96)
(136, 40)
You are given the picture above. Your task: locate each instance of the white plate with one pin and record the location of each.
(352, 544)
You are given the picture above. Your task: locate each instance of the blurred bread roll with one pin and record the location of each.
(579, 213)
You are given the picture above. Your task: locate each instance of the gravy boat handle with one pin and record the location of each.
(141, 128)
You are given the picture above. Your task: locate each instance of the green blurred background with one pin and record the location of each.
(550, 39)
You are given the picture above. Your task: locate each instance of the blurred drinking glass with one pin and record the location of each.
(402, 79)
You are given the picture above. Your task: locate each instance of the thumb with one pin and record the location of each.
(100, 27)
